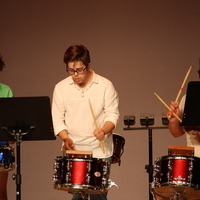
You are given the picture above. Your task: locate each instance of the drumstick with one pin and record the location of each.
(168, 107)
(96, 126)
(181, 88)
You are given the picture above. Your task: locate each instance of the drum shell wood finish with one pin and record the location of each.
(118, 142)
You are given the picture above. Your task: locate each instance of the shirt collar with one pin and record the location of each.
(95, 77)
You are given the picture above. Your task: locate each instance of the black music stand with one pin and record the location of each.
(191, 114)
(25, 119)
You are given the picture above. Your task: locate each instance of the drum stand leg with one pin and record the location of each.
(84, 195)
(149, 167)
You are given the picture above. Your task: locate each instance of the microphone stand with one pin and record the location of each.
(149, 167)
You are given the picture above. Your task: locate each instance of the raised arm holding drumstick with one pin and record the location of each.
(172, 109)
(174, 114)
(192, 133)
(174, 127)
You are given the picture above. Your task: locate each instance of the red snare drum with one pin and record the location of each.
(177, 174)
(81, 173)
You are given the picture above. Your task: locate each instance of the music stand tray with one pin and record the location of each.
(31, 115)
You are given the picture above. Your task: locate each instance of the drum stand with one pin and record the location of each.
(149, 167)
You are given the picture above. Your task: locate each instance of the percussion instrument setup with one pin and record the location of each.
(21, 119)
(175, 176)
(79, 172)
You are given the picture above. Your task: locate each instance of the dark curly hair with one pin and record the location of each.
(2, 64)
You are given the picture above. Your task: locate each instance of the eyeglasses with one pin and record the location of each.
(78, 71)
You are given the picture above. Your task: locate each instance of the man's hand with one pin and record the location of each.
(68, 144)
(174, 109)
(99, 134)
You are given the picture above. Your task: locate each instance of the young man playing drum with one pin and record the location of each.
(85, 109)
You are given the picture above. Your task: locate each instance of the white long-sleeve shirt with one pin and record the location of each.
(71, 111)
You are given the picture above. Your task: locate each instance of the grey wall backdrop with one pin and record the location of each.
(141, 46)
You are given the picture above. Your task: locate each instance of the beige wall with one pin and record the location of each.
(142, 46)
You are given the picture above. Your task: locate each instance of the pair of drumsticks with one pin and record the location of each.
(178, 95)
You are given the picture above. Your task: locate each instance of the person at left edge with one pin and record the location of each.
(5, 91)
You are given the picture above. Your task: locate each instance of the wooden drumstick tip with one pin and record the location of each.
(102, 146)
(181, 88)
(96, 126)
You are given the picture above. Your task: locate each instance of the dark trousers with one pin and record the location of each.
(101, 196)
